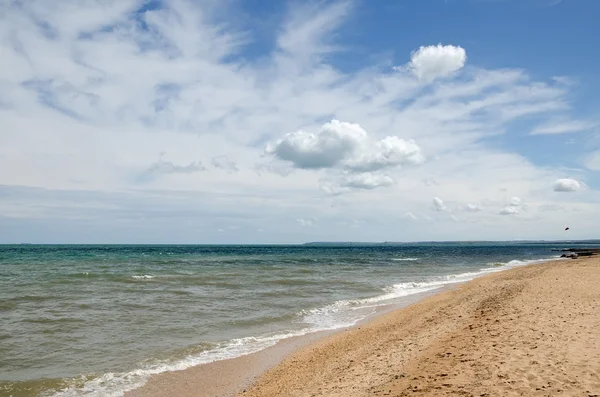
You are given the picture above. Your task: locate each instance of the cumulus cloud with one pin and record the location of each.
(514, 202)
(344, 145)
(438, 204)
(431, 62)
(566, 185)
(510, 210)
(469, 207)
(366, 181)
(348, 182)
(512, 207)
(224, 163)
(168, 167)
(327, 148)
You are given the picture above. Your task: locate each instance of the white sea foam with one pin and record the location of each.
(143, 277)
(116, 384)
(340, 314)
(345, 313)
(405, 259)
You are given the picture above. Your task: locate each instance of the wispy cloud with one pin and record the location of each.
(224, 163)
(92, 92)
(565, 127)
(168, 167)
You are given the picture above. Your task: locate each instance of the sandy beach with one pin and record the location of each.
(528, 331)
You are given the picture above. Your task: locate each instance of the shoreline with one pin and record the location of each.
(234, 376)
(531, 330)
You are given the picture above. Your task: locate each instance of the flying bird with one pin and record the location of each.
(566, 228)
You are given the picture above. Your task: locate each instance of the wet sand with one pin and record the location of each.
(528, 331)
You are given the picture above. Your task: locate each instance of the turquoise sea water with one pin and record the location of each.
(98, 320)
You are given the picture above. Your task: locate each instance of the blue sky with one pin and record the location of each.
(181, 121)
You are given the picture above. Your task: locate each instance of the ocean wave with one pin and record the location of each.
(143, 277)
(516, 262)
(405, 259)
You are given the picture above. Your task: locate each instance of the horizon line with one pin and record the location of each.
(590, 240)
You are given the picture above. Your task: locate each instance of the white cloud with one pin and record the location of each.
(514, 202)
(431, 62)
(332, 144)
(390, 151)
(564, 127)
(344, 145)
(411, 216)
(306, 222)
(566, 185)
(348, 182)
(438, 204)
(366, 181)
(510, 210)
(513, 207)
(469, 207)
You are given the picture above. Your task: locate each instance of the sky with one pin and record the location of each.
(241, 122)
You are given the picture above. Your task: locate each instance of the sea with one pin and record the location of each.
(98, 320)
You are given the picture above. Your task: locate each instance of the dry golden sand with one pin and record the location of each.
(530, 331)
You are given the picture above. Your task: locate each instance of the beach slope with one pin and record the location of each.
(529, 331)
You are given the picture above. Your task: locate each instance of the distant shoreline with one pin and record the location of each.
(343, 243)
